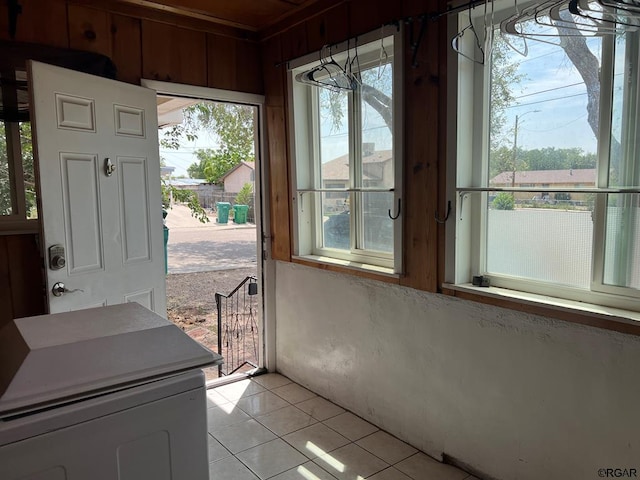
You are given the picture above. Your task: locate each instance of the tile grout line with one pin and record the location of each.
(316, 422)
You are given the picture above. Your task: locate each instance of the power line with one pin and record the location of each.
(554, 128)
(549, 90)
(547, 100)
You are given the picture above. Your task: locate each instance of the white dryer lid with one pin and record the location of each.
(51, 359)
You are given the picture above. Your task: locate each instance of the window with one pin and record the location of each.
(347, 153)
(17, 180)
(547, 182)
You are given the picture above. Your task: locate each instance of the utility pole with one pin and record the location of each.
(515, 145)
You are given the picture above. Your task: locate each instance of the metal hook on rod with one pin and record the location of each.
(437, 217)
(392, 217)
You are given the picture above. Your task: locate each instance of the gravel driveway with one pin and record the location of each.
(194, 247)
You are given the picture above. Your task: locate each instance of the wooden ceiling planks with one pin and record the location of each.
(250, 15)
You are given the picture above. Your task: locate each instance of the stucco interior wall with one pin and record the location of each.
(509, 394)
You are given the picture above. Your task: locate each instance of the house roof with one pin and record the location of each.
(583, 176)
(251, 165)
(338, 168)
(185, 182)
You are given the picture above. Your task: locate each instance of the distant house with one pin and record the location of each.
(166, 172)
(236, 178)
(551, 179)
(377, 171)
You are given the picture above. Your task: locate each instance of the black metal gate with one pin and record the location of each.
(238, 334)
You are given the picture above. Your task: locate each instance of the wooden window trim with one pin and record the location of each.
(330, 266)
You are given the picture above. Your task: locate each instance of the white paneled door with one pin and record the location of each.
(96, 147)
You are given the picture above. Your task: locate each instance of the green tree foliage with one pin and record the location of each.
(5, 181)
(551, 158)
(502, 161)
(245, 195)
(6, 201)
(548, 158)
(196, 170)
(232, 127)
(26, 146)
(215, 163)
(189, 197)
(505, 78)
(504, 201)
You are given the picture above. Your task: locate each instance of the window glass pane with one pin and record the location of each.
(28, 172)
(377, 127)
(334, 138)
(543, 124)
(6, 205)
(377, 226)
(550, 245)
(541, 132)
(622, 228)
(622, 241)
(336, 221)
(624, 168)
(334, 168)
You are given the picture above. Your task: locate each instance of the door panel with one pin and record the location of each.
(129, 121)
(143, 298)
(80, 192)
(75, 113)
(134, 210)
(96, 145)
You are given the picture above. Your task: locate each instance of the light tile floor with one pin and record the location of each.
(271, 428)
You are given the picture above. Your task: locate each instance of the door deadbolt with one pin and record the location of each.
(57, 258)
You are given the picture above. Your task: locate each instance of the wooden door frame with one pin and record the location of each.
(266, 267)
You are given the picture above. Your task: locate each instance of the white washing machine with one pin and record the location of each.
(108, 393)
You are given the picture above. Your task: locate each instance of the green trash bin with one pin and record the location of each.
(223, 211)
(240, 213)
(166, 257)
(165, 230)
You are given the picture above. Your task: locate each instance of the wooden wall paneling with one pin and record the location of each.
(173, 54)
(234, 64)
(273, 71)
(294, 42)
(412, 8)
(328, 28)
(279, 184)
(89, 30)
(421, 91)
(41, 21)
(365, 16)
(249, 67)
(126, 47)
(26, 276)
(444, 44)
(6, 300)
(21, 278)
(222, 53)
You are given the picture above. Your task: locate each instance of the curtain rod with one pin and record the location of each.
(433, 16)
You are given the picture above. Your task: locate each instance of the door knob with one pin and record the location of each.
(59, 289)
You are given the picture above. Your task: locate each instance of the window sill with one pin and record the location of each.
(625, 321)
(11, 226)
(353, 268)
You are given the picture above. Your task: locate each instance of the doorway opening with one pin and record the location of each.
(209, 151)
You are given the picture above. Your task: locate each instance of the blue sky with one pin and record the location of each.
(551, 103)
(182, 158)
(551, 99)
